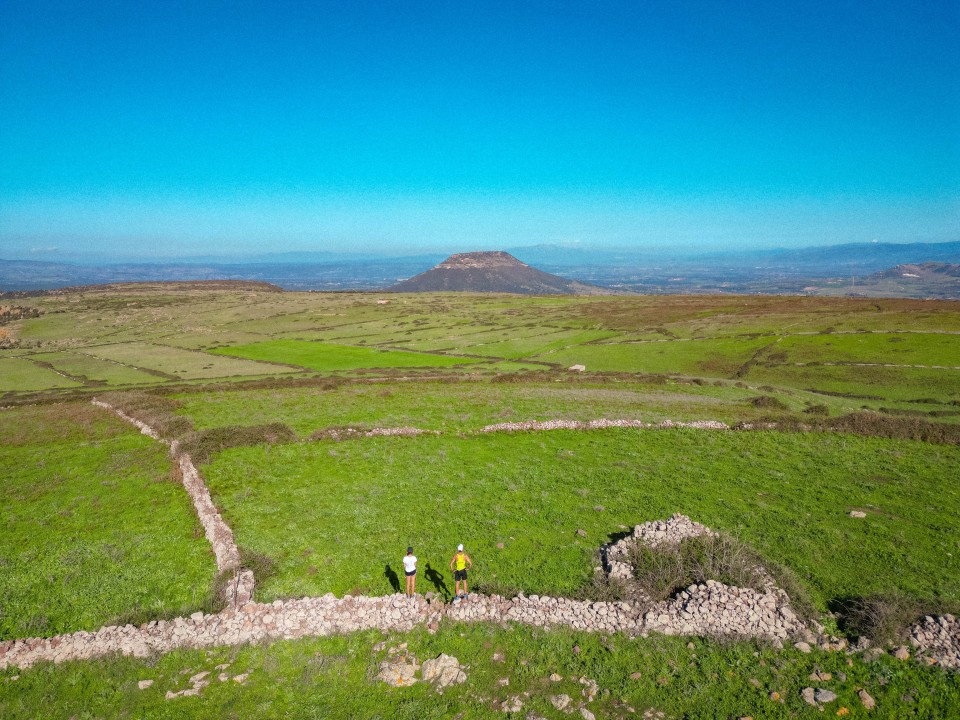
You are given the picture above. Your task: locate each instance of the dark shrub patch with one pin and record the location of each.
(202, 445)
(768, 402)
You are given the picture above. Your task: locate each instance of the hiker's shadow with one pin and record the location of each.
(437, 580)
(392, 578)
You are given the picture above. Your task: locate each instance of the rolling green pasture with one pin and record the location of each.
(709, 358)
(470, 405)
(333, 515)
(896, 348)
(162, 329)
(18, 373)
(335, 678)
(327, 357)
(180, 363)
(80, 365)
(897, 384)
(94, 527)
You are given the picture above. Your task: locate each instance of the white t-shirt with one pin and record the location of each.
(409, 563)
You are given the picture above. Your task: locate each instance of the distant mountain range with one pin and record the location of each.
(493, 272)
(646, 271)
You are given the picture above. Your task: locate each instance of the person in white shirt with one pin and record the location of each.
(410, 570)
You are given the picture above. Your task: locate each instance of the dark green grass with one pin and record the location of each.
(94, 527)
(335, 678)
(323, 356)
(332, 515)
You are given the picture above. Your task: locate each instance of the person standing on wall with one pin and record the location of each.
(410, 570)
(460, 563)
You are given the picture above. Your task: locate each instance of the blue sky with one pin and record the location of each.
(138, 128)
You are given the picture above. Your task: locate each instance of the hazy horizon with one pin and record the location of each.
(174, 130)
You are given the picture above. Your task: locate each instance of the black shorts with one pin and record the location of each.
(410, 574)
(459, 574)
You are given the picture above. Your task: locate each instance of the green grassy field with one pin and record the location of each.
(96, 530)
(465, 405)
(327, 357)
(94, 527)
(335, 678)
(333, 515)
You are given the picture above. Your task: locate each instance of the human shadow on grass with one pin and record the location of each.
(437, 580)
(391, 577)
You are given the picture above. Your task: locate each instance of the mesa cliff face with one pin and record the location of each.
(493, 272)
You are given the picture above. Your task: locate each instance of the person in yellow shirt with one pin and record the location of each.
(460, 563)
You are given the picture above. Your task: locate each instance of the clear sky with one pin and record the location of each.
(178, 128)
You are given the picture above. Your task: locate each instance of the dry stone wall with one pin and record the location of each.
(709, 608)
(239, 589)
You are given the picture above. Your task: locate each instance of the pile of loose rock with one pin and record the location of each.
(939, 638)
(400, 669)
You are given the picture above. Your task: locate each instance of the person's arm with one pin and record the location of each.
(452, 561)
(469, 561)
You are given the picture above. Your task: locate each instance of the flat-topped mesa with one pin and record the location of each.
(493, 272)
(489, 259)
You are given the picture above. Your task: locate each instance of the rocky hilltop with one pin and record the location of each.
(493, 272)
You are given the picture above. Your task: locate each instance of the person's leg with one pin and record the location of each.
(413, 585)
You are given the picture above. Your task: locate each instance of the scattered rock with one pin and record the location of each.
(560, 702)
(399, 672)
(822, 695)
(818, 676)
(868, 702)
(586, 714)
(555, 678)
(809, 695)
(803, 647)
(503, 682)
(581, 532)
(577, 368)
(902, 653)
(857, 514)
(242, 678)
(443, 671)
(144, 684)
(636, 675)
(512, 704)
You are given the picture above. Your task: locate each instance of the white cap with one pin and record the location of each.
(460, 547)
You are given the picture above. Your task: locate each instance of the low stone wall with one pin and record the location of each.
(239, 590)
(601, 424)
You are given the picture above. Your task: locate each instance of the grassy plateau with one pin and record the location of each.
(96, 528)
